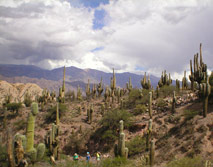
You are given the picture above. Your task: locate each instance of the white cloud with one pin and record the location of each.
(150, 34)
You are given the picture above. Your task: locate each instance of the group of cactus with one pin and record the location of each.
(52, 137)
(22, 147)
(120, 148)
(129, 85)
(146, 84)
(61, 96)
(94, 90)
(165, 79)
(199, 75)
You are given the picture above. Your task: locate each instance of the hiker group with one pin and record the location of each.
(88, 157)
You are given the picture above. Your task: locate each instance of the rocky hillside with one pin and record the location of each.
(18, 91)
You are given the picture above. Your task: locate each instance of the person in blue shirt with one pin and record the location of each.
(88, 158)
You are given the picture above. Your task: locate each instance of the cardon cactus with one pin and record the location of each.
(165, 79)
(121, 149)
(184, 82)
(79, 94)
(150, 104)
(146, 84)
(88, 90)
(30, 150)
(57, 114)
(152, 154)
(199, 68)
(191, 77)
(157, 91)
(148, 135)
(100, 88)
(10, 148)
(129, 85)
(205, 90)
(52, 141)
(173, 103)
(113, 82)
(90, 114)
(63, 86)
(94, 91)
(177, 85)
(107, 93)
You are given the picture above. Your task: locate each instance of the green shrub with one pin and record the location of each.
(166, 91)
(14, 107)
(161, 103)
(51, 112)
(116, 162)
(136, 145)
(186, 162)
(133, 98)
(189, 114)
(139, 109)
(111, 119)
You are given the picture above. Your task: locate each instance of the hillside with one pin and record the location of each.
(182, 134)
(17, 91)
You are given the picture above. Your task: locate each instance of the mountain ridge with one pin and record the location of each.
(73, 75)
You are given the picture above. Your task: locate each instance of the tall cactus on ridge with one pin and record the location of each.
(79, 93)
(30, 150)
(150, 104)
(121, 149)
(146, 84)
(100, 88)
(184, 82)
(165, 79)
(63, 86)
(129, 85)
(173, 102)
(88, 90)
(113, 82)
(205, 90)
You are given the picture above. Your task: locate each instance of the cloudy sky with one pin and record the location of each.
(129, 35)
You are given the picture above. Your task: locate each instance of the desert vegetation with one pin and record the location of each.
(166, 126)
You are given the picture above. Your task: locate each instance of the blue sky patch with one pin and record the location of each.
(97, 49)
(98, 21)
(88, 3)
(137, 68)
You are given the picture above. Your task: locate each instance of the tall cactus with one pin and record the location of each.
(113, 82)
(90, 114)
(184, 82)
(129, 85)
(31, 127)
(157, 91)
(10, 149)
(57, 114)
(100, 88)
(173, 102)
(192, 77)
(52, 141)
(148, 135)
(150, 104)
(146, 84)
(177, 85)
(152, 154)
(79, 93)
(63, 86)
(30, 150)
(121, 149)
(107, 93)
(94, 91)
(165, 79)
(205, 90)
(88, 90)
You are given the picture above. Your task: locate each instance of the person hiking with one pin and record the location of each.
(98, 157)
(88, 159)
(75, 158)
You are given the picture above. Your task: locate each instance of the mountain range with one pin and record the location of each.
(52, 79)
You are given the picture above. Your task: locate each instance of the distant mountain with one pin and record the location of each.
(74, 76)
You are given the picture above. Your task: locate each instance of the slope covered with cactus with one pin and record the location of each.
(169, 126)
